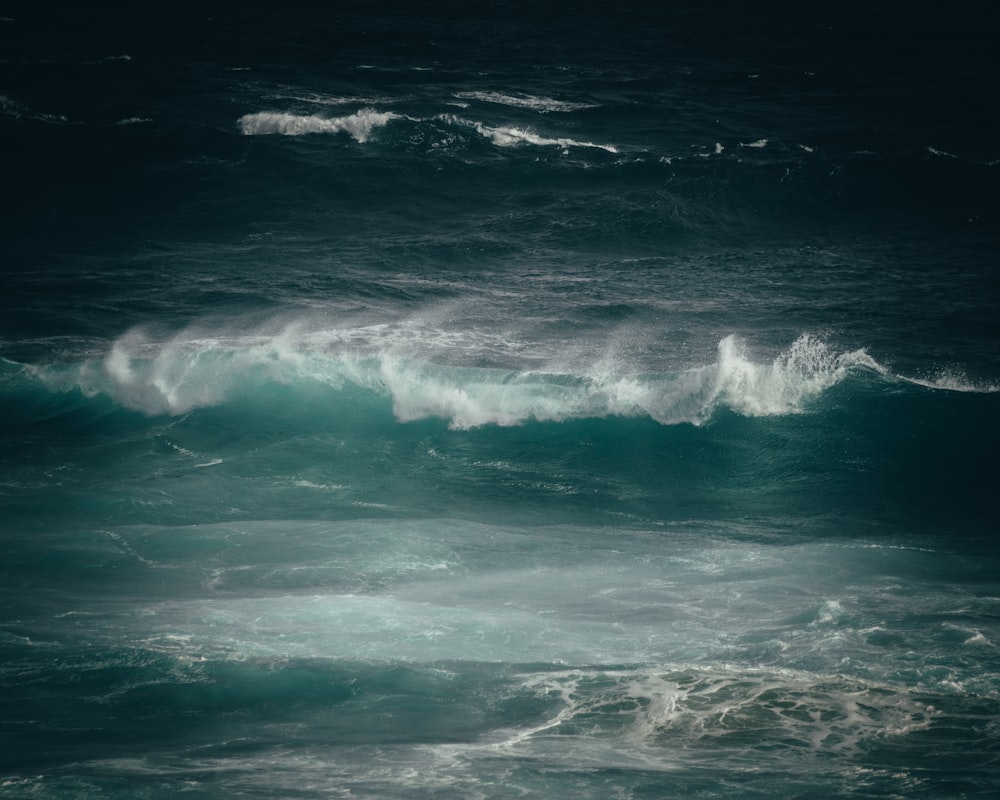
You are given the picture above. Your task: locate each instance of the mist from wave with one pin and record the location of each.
(189, 371)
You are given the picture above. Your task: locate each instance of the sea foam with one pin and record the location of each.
(540, 104)
(188, 372)
(509, 136)
(358, 125)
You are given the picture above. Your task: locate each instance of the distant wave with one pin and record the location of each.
(11, 108)
(542, 104)
(358, 125)
(505, 136)
(177, 376)
(361, 124)
(943, 153)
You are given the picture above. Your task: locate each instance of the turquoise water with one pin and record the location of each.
(499, 403)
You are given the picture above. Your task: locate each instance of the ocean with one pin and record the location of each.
(460, 400)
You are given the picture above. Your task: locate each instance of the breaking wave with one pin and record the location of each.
(362, 124)
(504, 136)
(358, 125)
(185, 373)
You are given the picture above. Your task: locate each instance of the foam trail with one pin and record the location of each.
(813, 713)
(358, 125)
(954, 382)
(541, 104)
(512, 137)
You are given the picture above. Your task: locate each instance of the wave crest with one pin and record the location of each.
(362, 124)
(543, 105)
(358, 125)
(177, 376)
(508, 136)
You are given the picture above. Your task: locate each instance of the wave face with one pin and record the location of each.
(474, 401)
(812, 428)
(182, 374)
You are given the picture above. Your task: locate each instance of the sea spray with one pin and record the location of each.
(187, 372)
(359, 125)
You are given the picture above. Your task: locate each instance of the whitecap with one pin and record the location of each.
(188, 372)
(359, 125)
(952, 381)
(943, 153)
(541, 104)
(512, 137)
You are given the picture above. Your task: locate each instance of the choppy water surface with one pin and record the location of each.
(499, 403)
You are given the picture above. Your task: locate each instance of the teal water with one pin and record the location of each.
(499, 403)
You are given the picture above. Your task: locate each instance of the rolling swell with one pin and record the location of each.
(814, 433)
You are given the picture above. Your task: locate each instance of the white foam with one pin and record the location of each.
(645, 708)
(513, 137)
(541, 104)
(326, 100)
(944, 154)
(187, 372)
(326, 487)
(358, 125)
(759, 143)
(181, 374)
(474, 398)
(951, 381)
(805, 370)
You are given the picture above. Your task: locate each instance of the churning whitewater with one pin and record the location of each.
(182, 373)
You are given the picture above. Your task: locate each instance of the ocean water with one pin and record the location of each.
(554, 401)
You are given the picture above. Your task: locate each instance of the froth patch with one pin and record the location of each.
(358, 125)
(648, 710)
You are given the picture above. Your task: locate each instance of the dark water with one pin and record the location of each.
(566, 401)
